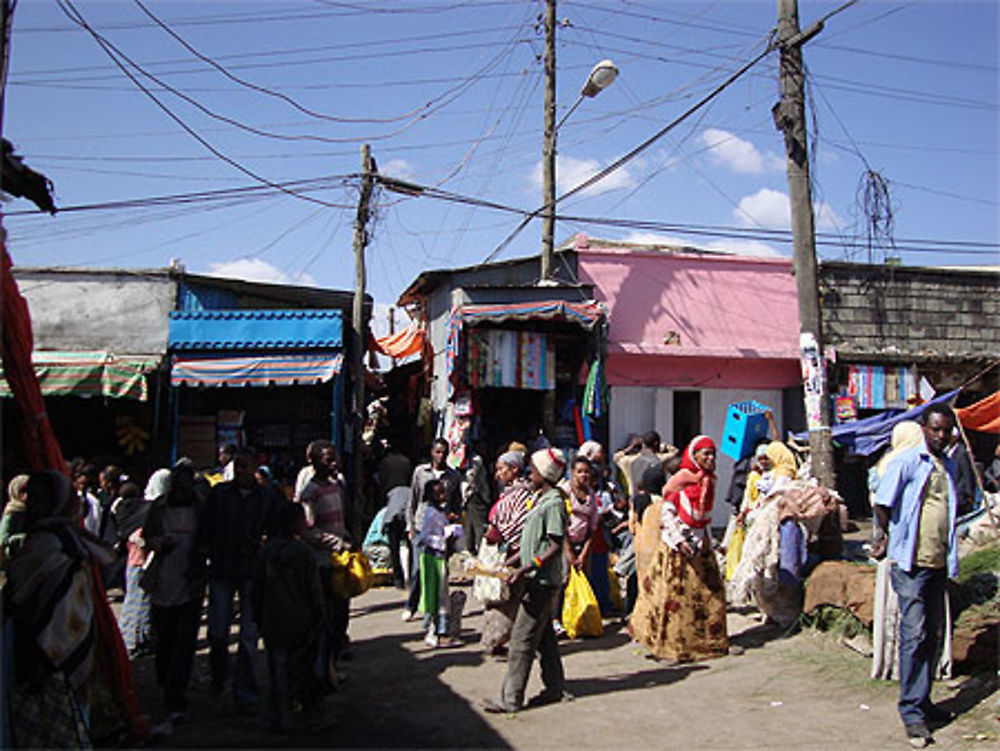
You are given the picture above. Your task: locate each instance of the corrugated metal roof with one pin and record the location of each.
(256, 329)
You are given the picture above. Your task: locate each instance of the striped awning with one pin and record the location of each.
(266, 370)
(91, 374)
(587, 314)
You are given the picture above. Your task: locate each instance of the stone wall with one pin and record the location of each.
(910, 313)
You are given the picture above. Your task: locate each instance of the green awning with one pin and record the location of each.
(91, 374)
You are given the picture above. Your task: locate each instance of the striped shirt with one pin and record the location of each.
(508, 513)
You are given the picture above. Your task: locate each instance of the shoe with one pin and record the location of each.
(494, 707)
(550, 697)
(431, 640)
(448, 642)
(918, 735)
(736, 649)
(406, 616)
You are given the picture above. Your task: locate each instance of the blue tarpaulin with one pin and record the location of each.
(867, 436)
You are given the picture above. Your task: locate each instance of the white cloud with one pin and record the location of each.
(739, 155)
(734, 246)
(770, 209)
(257, 270)
(571, 171)
(398, 168)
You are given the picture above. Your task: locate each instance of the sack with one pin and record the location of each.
(456, 606)
(615, 590)
(352, 574)
(149, 577)
(581, 615)
(735, 550)
(490, 590)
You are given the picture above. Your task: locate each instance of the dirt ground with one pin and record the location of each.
(799, 692)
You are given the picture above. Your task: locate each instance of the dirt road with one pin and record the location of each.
(803, 692)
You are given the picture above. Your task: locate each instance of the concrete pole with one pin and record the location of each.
(790, 118)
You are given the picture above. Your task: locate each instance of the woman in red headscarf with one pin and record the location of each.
(681, 610)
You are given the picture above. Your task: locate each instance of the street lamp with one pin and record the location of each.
(601, 76)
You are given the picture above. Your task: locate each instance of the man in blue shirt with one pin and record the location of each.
(915, 509)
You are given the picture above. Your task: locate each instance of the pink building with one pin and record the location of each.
(690, 333)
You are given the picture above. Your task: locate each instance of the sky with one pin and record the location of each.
(249, 131)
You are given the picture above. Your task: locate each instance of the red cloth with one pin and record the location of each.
(691, 489)
(43, 452)
(983, 416)
(40, 445)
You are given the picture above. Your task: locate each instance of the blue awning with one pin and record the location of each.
(867, 436)
(301, 329)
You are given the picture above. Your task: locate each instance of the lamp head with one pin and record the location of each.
(601, 76)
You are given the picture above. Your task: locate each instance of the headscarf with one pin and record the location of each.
(519, 447)
(691, 489)
(782, 460)
(513, 459)
(550, 463)
(589, 449)
(158, 484)
(905, 435)
(49, 494)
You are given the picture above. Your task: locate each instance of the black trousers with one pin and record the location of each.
(176, 639)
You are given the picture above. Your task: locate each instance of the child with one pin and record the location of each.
(614, 522)
(129, 511)
(288, 604)
(434, 533)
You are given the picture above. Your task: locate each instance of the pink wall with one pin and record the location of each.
(701, 372)
(736, 315)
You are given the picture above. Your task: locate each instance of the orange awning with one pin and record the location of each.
(409, 341)
(983, 416)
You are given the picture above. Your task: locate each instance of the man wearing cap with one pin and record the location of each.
(542, 566)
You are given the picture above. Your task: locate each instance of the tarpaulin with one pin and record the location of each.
(983, 416)
(409, 341)
(867, 436)
(90, 374)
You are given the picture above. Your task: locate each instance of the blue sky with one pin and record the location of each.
(449, 94)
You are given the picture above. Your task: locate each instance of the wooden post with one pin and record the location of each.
(358, 411)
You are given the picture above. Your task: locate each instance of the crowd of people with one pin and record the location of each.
(227, 545)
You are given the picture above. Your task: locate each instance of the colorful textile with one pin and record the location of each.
(593, 392)
(681, 610)
(409, 341)
(510, 511)
(983, 416)
(509, 359)
(691, 489)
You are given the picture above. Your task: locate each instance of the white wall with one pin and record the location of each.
(636, 409)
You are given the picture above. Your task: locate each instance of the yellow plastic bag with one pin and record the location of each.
(581, 615)
(352, 574)
(735, 550)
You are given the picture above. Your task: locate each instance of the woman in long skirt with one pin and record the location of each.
(681, 610)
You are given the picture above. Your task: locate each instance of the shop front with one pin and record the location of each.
(520, 370)
(268, 379)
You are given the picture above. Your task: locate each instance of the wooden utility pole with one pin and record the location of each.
(358, 411)
(790, 118)
(549, 143)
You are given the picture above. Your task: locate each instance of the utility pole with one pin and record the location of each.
(790, 118)
(549, 143)
(358, 411)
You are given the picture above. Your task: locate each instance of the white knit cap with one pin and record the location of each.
(550, 463)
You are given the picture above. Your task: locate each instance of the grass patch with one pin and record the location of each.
(983, 561)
